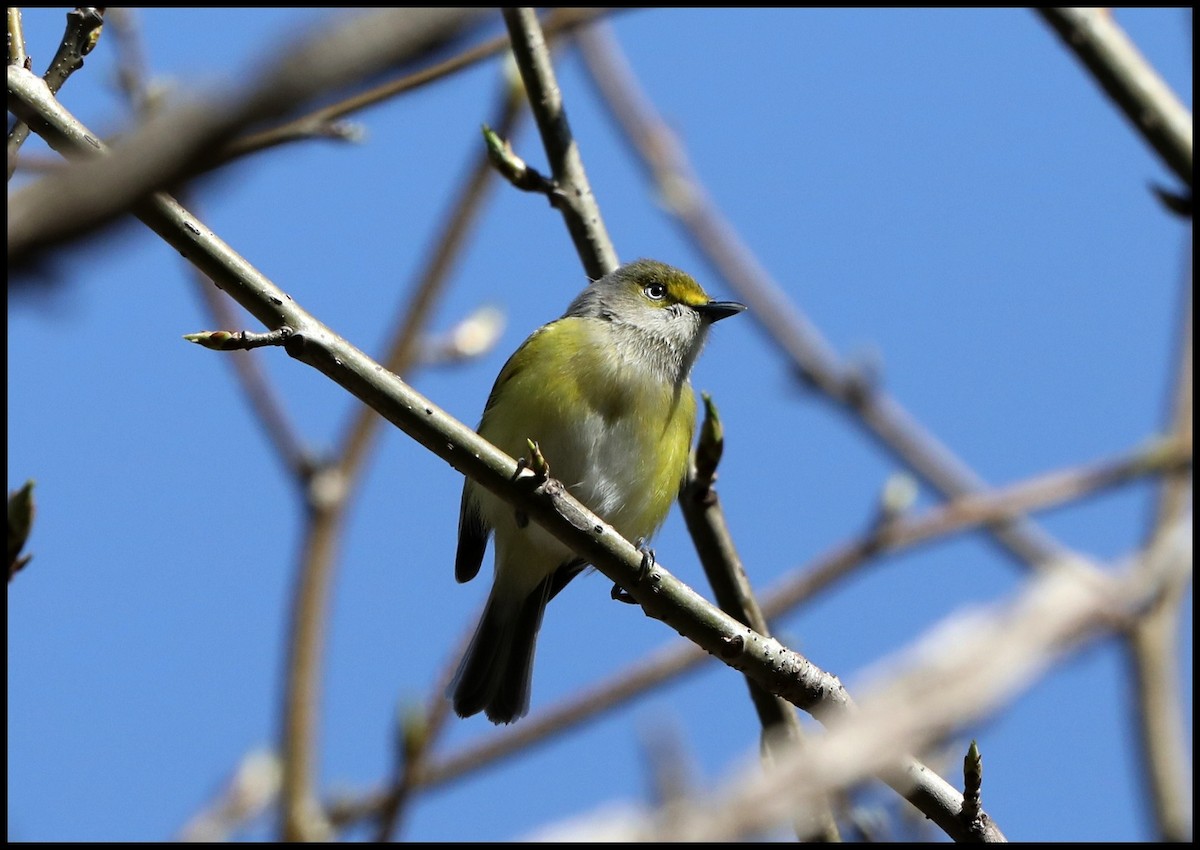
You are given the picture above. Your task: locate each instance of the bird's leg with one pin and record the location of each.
(540, 468)
(538, 462)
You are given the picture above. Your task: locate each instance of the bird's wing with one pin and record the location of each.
(473, 533)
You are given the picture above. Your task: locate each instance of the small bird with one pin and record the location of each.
(604, 393)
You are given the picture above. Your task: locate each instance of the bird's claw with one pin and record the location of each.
(648, 560)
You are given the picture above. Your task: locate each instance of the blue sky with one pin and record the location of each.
(944, 193)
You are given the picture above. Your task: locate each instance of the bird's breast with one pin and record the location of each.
(612, 430)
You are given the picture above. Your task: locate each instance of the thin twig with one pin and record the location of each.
(319, 122)
(578, 205)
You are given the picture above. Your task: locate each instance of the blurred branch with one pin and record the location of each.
(91, 193)
(871, 407)
(472, 336)
(403, 352)
(1130, 81)
(574, 196)
(389, 811)
(324, 122)
(83, 29)
(251, 789)
(1153, 639)
(132, 76)
(301, 816)
(978, 511)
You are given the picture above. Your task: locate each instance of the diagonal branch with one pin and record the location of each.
(960, 672)
(899, 535)
(1130, 81)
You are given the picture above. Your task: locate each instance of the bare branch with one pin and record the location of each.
(579, 208)
(1132, 83)
(547, 502)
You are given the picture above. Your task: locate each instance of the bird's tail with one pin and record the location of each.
(495, 674)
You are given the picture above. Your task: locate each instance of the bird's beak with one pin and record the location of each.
(714, 311)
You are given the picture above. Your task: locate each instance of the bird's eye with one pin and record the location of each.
(655, 291)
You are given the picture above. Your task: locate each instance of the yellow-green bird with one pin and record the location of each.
(604, 392)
